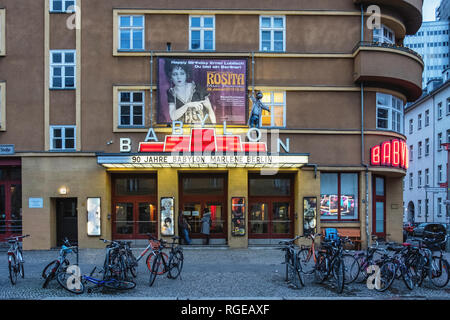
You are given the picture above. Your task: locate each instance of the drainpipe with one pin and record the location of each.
(365, 166)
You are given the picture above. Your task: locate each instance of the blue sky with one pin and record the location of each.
(429, 9)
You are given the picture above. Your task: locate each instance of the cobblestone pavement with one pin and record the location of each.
(210, 273)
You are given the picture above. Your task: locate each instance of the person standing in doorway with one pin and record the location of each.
(206, 224)
(184, 227)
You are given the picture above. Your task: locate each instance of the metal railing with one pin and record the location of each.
(370, 44)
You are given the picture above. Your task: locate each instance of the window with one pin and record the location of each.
(427, 177)
(448, 106)
(131, 108)
(411, 126)
(427, 147)
(427, 204)
(2, 32)
(427, 118)
(439, 141)
(62, 138)
(448, 136)
(384, 35)
(419, 179)
(440, 176)
(419, 121)
(202, 33)
(389, 113)
(439, 207)
(411, 152)
(131, 33)
(2, 106)
(419, 208)
(339, 196)
(439, 110)
(62, 6)
(411, 180)
(276, 101)
(62, 69)
(419, 150)
(272, 33)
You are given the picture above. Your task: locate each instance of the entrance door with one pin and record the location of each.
(10, 203)
(66, 221)
(379, 207)
(271, 213)
(134, 206)
(200, 191)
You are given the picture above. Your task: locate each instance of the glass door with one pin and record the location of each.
(134, 220)
(379, 207)
(10, 209)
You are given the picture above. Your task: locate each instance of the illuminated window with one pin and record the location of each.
(131, 33)
(131, 108)
(384, 35)
(202, 33)
(389, 113)
(2, 106)
(62, 69)
(272, 32)
(339, 196)
(276, 101)
(62, 138)
(62, 5)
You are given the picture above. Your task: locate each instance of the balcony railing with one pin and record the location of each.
(369, 44)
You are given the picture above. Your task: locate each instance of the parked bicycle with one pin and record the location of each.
(61, 264)
(308, 255)
(294, 273)
(15, 258)
(161, 263)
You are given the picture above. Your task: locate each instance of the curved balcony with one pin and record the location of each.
(409, 10)
(389, 66)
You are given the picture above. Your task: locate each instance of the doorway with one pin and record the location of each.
(379, 207)
(66, 221)
(10, 202)
(200, 191)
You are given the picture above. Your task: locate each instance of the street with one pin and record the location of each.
(208, 273)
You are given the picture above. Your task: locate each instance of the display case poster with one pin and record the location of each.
(167, 216)
(309, 215)
(94, 211)
(238, 216)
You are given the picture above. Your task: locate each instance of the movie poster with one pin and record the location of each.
(208, 91)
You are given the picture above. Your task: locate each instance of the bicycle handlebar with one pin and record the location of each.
(17, 237)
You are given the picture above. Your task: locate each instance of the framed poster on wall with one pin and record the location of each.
(167, 216)
(94, 214)
(309, 215)
(238, 216)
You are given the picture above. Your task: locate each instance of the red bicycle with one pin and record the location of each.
(308, 255)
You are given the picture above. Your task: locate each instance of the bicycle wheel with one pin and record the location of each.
(408, 278)
(157, 268)
(351, 268)
(386, 276)
(294, 275)
(321, 271)
(132, 264)
(438, 272)
(176, 264)
(339, 274)
(70, 282)
(49, 272)
(12, 269)
(307, 260)
(119, 284)
(151, 258)
(20, 267)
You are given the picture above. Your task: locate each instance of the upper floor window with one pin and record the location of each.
(419, 149)
(62, 69)
(2, 32)
(62, 5)
(419, 121)
(440, 176)
(411, 180)
(202, 33)
(131, 108)
(427, 147)
(427, 177)
(439, 111)
(439, 141)
(2, 106)
(131, 33)
(272, 33)
(411, 126)
(389, 113)
(411, 152)
(62, 138)
(419, 179)
(276, 101)
(427, 118)
(384, 35)
(448, 106)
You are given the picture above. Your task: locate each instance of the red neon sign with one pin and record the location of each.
(392, 153)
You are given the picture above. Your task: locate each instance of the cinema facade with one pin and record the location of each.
(113, 143)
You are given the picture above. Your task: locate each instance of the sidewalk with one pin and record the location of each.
(255, 273)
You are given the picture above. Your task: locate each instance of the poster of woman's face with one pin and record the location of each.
(167, 216)
(202, 91)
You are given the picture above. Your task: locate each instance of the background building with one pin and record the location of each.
(82, 106)
(432, 43)
(443, 11)
(427, 124)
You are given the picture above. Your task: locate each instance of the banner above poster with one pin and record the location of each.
(196, 90)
